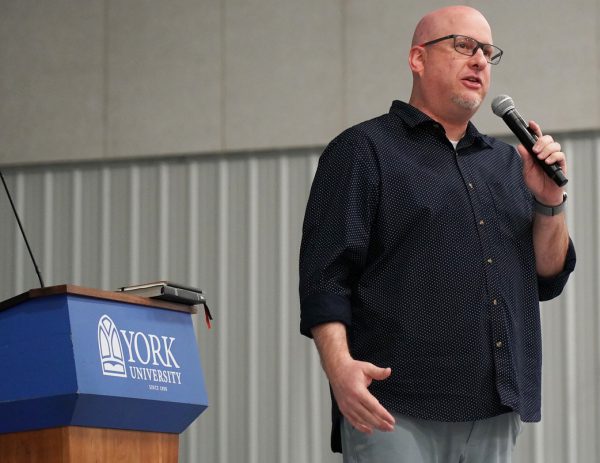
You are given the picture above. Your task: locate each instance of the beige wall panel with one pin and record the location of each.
(163, 77)
(85, 80)
(283, 72)
(551, 63)
(378, 36)
(50, 80)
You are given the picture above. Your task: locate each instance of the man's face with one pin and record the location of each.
(457, 83)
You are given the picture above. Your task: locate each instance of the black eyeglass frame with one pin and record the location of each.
(479, 45)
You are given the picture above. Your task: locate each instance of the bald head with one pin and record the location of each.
(449, 86)
(445, 21)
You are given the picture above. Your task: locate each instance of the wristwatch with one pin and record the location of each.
(549, 210)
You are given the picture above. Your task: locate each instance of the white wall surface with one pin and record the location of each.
(105, 79)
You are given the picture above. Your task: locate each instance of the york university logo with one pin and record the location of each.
(111, 350)
(146, 357)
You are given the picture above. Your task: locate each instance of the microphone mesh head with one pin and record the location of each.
(502, 104)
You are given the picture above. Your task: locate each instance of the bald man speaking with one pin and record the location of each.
(426, 249)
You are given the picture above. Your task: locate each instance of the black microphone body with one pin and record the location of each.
(504, 107)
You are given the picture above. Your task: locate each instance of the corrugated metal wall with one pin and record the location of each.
(231, 224)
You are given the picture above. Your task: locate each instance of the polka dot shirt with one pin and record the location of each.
(425, 252)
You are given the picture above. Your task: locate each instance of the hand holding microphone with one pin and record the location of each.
(504, 107)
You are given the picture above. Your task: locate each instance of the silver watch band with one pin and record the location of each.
(549, 210)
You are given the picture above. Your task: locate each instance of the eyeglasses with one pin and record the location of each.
(468, 46)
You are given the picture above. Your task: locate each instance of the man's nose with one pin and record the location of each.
(479, 57)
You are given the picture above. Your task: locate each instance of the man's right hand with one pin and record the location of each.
(350, 380)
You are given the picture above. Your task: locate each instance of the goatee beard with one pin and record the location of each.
(466, 103)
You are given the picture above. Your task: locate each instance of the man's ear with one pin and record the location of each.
(416, 59)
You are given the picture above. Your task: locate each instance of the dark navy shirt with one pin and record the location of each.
(425, 253)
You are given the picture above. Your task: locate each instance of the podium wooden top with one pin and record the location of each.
(117, 296)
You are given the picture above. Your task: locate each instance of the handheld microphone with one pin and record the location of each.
(504, 107)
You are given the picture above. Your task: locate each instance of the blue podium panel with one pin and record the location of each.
(69, 359)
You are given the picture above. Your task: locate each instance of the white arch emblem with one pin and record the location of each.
(111, 350)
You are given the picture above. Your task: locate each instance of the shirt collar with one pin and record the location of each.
(413, 117)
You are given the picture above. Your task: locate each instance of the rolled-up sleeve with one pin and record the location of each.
(551, 287)
(336, 233)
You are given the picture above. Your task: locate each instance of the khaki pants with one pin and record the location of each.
(415, 440)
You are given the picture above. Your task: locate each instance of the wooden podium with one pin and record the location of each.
(96, 376)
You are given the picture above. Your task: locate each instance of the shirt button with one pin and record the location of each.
(495, 301)
(489, 261)
(498, 344)
(481, 222)
(470, 185)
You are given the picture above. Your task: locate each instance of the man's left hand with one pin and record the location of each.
(541, 186)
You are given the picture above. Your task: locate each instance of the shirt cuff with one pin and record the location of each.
(317, 309)
(551, 287)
